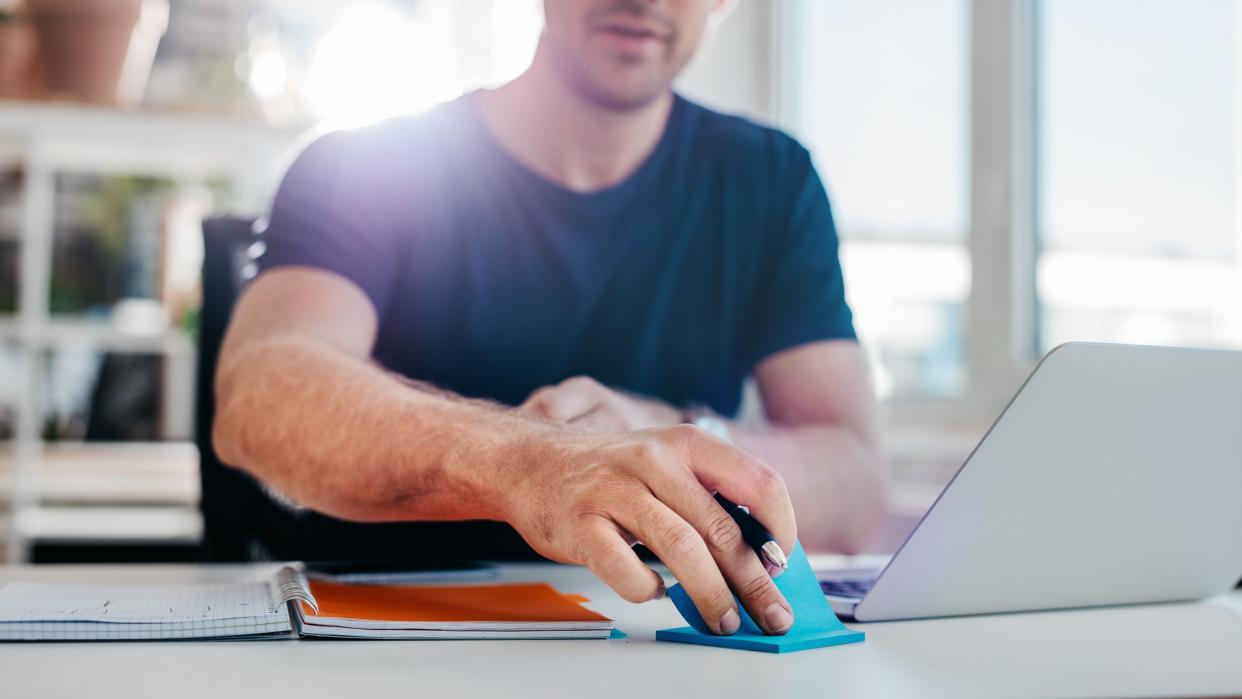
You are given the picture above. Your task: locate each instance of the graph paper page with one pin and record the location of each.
(162, 604)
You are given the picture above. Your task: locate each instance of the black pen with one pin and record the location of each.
(757, 536)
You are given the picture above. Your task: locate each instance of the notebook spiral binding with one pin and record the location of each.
(289, 584)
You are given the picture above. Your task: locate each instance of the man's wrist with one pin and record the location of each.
(463, 464)
(513, 460)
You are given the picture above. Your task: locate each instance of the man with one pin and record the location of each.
(602, 254)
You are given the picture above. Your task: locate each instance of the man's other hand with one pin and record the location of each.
(587, 498)
(584, 402)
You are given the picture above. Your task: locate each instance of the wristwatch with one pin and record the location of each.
(710, 422)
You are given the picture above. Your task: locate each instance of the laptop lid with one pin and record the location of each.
(1114, 476)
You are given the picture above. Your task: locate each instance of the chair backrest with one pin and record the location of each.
(229, 496)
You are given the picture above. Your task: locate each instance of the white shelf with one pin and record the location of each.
(124, 493)
(47, 139)
(43, 117)
(64, 136)
(111, 525)
(163, 473)
(96, 334)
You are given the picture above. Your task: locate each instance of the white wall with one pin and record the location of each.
(734, 71)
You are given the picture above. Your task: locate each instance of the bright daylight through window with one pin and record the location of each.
(376, 62)
(879, 93)
(1140, 233)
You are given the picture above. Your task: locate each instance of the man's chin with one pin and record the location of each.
(619, 98)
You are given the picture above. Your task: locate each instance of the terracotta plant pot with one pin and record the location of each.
(18, 67)
(98, 50)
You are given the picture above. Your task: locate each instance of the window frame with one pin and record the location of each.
(1001, 332)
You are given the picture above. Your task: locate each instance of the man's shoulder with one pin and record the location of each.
(394, 142)
(738, 137)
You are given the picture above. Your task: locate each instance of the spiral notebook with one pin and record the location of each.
(289, 605)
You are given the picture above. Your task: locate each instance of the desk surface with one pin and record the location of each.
(1155, 650)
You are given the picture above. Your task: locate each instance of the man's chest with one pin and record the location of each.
(651, 301)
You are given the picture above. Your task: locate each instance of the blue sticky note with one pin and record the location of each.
(815, 624)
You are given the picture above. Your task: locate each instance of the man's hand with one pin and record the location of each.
(586, 403)
(587, 498)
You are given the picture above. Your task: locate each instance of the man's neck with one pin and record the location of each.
(565, 137)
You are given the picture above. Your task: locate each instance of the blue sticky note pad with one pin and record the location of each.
(815, 624)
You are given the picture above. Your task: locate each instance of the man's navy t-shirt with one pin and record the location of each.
(491, 281)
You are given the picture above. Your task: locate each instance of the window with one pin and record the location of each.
(878, 91)
(1105, 146)
(380, 59)
(1140, 238)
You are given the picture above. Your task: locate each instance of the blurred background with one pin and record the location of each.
(1006, 175)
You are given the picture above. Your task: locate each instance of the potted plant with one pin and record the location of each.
(98, 50)
(17, 53)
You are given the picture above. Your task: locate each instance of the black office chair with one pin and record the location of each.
(242, 521)
(231, 500)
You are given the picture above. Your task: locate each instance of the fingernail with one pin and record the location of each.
(660, 593)
(775, 572)
(779, 619)
(729, 623)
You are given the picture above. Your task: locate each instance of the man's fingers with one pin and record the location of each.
(747, 575)
(741, 566)
(567, 400)
(537, 402)
(742, 478)
(609, 415)
(557, 404)
(682, 549)
(606, 553)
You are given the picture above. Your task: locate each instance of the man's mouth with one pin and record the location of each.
(631, 34)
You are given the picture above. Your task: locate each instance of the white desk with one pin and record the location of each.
(1180, 649)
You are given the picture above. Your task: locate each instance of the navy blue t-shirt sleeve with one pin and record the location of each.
(329, 214)
(800, 293)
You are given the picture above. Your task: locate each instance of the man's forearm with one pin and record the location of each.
(342, 436)
(836, 480)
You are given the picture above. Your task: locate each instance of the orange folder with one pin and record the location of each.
(516, 602)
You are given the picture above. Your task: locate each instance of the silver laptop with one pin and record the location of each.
(1114, 476)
